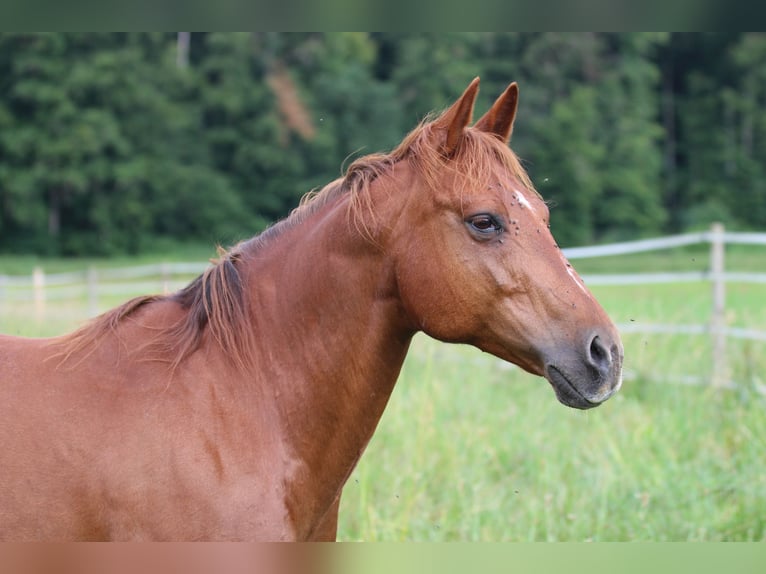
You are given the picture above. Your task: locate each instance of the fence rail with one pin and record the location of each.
(715, 235)
(92, 286)
(716, 274)
(717, 329)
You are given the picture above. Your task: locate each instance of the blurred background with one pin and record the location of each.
(110, 143)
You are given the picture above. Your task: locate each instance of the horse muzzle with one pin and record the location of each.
(585, 378)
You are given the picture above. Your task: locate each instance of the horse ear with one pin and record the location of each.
(458, 116)
(499, 118)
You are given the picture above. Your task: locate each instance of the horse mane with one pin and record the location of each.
(472, 162)
(217, 301)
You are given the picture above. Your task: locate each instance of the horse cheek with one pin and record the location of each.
(433, 293)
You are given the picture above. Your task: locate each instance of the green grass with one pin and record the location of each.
(472, 449)
(186, 252)
(690, 258)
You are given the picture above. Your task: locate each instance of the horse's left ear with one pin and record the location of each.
(458, 116)
(499, 119)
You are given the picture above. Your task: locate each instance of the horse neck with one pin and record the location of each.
(334, 336)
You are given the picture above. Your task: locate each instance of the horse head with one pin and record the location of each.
(476, 262)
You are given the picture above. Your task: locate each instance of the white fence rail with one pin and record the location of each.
(92, 285)
(714, 235)
(94, 288)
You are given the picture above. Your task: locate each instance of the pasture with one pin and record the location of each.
(472, 449)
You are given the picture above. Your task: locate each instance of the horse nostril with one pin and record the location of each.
(599, 356)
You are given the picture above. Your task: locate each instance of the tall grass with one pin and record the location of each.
(469, 449)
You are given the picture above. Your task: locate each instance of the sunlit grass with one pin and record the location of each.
(471, 450)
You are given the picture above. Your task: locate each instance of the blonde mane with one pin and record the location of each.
(473, 162)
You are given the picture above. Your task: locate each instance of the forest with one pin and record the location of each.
(110, 142)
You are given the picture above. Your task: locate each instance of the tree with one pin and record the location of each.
(36, 168)
(242, 128)
(744, 132)
(100, 137)
(631, 200)
(696, 71)
(352, 112)
(107, 143)
(594, 137)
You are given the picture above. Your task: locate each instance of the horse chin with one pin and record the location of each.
(566, 391)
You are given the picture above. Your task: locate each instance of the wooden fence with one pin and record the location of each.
(93, 286)
(100, 289)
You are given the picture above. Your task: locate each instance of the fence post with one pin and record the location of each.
(718, 314)
(3, 281)
(165, 277)
(183, 40)
(92, 280)
(38, 292)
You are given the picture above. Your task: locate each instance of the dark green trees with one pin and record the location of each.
(109, 141)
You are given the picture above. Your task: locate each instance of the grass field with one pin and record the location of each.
(471, 448)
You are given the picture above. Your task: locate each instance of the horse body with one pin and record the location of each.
(237, 408)
(126, 455)
(238, 455)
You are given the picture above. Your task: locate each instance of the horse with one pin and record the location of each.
(237, 407)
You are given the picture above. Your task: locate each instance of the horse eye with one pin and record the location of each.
(484, 224)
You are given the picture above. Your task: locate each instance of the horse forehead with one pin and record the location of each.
(513, 194)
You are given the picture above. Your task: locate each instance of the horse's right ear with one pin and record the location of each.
(499, 118)
(458, 116)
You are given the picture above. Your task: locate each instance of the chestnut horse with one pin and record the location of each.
(236, 408)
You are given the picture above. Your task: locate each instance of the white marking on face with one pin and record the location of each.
(524, 201)
(577, 280)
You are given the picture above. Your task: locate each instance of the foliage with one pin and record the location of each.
(108, 142)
